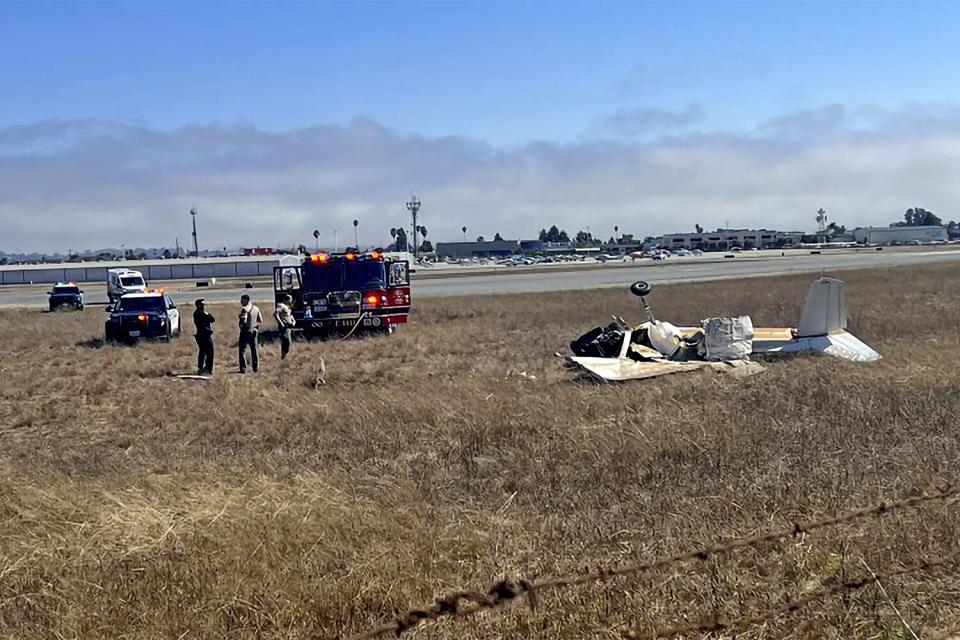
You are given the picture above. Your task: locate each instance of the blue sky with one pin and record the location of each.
(514, 114)
(502, 72)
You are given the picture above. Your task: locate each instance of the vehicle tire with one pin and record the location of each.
(169, 335)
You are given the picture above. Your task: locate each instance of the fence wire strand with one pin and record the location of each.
(502, 592)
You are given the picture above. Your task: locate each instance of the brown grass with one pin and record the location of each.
(133, 505)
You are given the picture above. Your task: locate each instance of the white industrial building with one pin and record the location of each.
(899, 235)
(726, 238)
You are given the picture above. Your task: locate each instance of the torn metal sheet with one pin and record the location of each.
(620, 369)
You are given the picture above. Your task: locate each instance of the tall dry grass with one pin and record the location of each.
(134, 505)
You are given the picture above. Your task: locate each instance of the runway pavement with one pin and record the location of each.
(520, 280)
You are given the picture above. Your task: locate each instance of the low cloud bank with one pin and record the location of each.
(86, 184)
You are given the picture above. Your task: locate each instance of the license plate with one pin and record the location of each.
(367, 322)
(134, 334)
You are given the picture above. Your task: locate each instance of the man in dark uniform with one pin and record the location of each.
(203, 321)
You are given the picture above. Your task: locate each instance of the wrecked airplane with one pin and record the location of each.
(654, 348)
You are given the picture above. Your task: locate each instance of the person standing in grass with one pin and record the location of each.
(285, 322)
(203, 321)
(250, 320)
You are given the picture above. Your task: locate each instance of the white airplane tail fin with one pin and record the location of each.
(825, 310)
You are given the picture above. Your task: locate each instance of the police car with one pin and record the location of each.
(152, 314)
(66, 294)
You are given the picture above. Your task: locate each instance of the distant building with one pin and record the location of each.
(259, 251)
(722, 239)
(477, 249)
(899, 235)
(542, 246)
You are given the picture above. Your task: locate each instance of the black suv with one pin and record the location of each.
(66, 295)
(142, 315)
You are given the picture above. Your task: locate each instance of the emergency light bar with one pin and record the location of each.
(349, 256)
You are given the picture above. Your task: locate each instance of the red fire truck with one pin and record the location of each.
(346, 293)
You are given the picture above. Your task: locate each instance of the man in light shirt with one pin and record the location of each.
(250, 319)
(285, 322)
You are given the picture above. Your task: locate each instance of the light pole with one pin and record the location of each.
(821, 225)
(193, 214)
(336, 241)
(316, 239)
(413, 206)
(464, 229)
(356, 235)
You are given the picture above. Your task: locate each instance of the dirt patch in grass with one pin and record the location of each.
(134, 504)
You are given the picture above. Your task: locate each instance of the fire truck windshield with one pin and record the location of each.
(345, 276)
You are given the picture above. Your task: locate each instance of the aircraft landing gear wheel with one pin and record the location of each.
(640, 288)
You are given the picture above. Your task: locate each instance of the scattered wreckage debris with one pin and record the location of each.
(189, 376)
(655, 348)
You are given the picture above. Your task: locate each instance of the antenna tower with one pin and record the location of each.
(413, 206)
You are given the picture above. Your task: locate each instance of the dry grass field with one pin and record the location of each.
(135, 505)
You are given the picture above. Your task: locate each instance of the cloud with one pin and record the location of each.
(836, 120)
(638, 121)
(88, 184)
(807, 123)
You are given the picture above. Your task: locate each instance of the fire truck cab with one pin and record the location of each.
(346, 293)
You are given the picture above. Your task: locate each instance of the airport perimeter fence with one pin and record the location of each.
(505, 591)
(173, 270)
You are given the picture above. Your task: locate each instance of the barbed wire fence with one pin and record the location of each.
(505, 591)
(738, 624)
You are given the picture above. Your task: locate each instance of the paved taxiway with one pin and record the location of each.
(561, 277)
